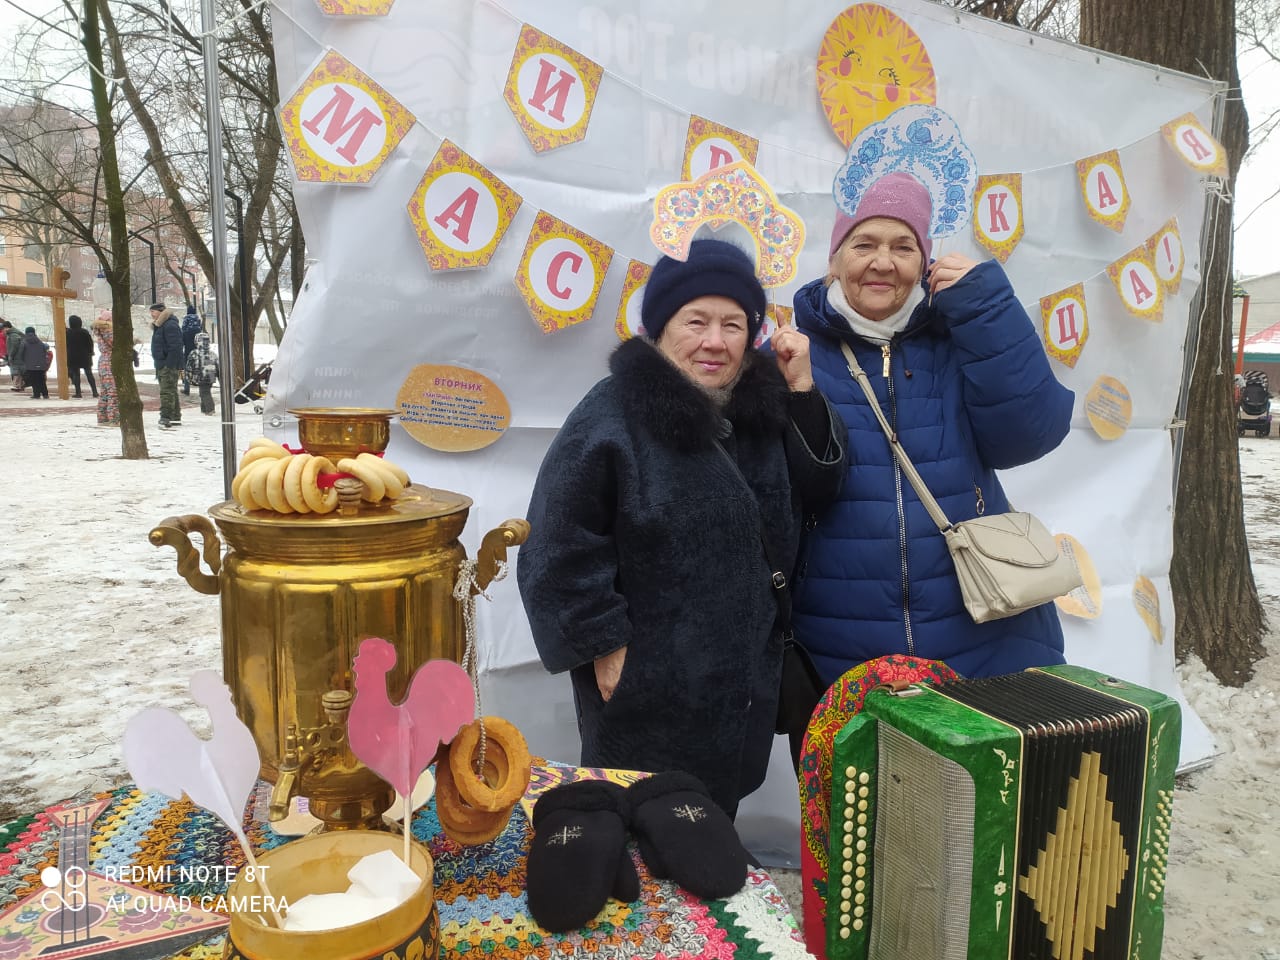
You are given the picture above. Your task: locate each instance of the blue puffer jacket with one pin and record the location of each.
(969, 391)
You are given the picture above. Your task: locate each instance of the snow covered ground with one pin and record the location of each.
(95, 624)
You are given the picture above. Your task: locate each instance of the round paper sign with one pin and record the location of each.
(1147, 600)
(453, 409)
(1084, 601)
(1109, 408)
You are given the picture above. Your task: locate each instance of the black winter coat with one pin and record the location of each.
(646, 533)
(79, 348)
(166, 342)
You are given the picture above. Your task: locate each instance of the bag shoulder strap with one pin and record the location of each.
(930, 504)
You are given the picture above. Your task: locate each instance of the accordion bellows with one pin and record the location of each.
(1023, 817)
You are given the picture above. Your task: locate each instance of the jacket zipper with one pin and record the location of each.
(902, 513)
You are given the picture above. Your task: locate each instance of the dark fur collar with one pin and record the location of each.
(679, 414)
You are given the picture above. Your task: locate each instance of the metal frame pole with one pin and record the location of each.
(218, 216)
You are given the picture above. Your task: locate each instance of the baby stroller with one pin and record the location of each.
(1253, 411)
(255, 388)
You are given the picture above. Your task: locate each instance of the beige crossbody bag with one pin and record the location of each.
(1006, 563)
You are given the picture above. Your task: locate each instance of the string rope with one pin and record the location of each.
(465, 592)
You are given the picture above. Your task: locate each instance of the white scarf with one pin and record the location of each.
(877, 331)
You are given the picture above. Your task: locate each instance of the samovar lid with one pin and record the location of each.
(416, 504)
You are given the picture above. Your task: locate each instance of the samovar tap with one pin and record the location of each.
(287, 778)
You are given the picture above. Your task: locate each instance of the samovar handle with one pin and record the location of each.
(176, 532)
(493, 549)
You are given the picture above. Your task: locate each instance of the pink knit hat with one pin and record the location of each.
(899, 196)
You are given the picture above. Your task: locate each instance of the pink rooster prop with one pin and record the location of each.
(162, 754)
(398, 741)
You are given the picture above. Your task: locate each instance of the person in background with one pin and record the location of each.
(80, 354)
(202, 370)
(191, 326)
(961, 375)
(108, 405)
(13, 343)
(35, 361)
(166, 351)
(665, 513)
(4, 341)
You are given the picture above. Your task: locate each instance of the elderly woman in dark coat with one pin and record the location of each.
(666, 508)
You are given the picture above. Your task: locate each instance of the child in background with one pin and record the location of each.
(202, 370)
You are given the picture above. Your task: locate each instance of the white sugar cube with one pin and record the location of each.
(328, 911)
(383, 874)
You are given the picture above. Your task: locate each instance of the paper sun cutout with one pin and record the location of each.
(734, 193)
(924, 142)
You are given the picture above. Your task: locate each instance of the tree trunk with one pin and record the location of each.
(1219, 617)
(133, 439)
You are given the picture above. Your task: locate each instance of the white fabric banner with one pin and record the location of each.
(373, 309)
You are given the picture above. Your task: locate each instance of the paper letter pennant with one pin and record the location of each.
(356, 8)
(460, 210)
(628, 323)
(736, 193)
(1167, 255)
(1196, 146)
(1102, 185)
(560, 273)
(871, 63)
(550, 89)
(1141, 290)
(997, 213)
(708, 145)
(1065, 319)
(340, 125)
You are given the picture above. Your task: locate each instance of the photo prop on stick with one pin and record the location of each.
(1102, 186)
(550, 89)
(1196, 146)
(924, 142)
(460, 210)
(340, 125)
(708, 145)
(163, 755)
(871, 63)
(734, 193)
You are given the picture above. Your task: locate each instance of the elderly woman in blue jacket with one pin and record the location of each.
(961, 375)
(664, 518)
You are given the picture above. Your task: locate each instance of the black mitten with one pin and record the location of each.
(683, 835)
(578, 854)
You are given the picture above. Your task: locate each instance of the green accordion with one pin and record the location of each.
(1023, 817)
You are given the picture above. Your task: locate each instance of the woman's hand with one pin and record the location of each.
(609, 672)
(791, 349)
(947, 270)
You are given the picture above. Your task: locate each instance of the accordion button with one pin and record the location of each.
(857, 924)
(862, 817)
(862, 844)
(864, 791)
(862, 831)
(845, 918)
(846, 906)
(849, 797)
(861, 871)
(857, 911)
(859, 898)
(860, 885)
(850, 771)
(848, 865)
(844, 933)
(864, 777)
(848, 813)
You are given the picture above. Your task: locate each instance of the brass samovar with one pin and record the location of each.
(299, 594)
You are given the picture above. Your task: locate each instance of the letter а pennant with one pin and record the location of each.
(560, 273)
(550, 89)
(1138, 284)
(460, 211)
(1106, 196)
(340, 125)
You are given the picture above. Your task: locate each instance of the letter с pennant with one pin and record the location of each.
(708, 145)
(1064, 319)
(1135, 279)
(550, 90)
(997, 213)
(1196, 146)
(460, 210)
(560, 273)
(1102, 186)
(340, 125)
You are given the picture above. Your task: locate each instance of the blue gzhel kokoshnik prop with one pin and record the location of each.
(920, 140)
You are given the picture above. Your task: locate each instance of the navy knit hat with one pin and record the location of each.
(714, 268)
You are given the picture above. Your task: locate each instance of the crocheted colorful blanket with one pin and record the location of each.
(479, 890)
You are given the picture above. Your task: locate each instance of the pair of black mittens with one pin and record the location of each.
(578, 856)
(685, 837)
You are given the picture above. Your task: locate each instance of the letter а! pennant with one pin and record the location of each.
(1106, 196)
(1167, 255)
(460, 211)
(997, 213)
(1196, 146)
(1140, 289)
(550, 89)
(340, 125)
(560, 273)
(1065, 321)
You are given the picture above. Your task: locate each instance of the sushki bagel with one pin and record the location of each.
(460, 821)
(271, 477)
(507, 752)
